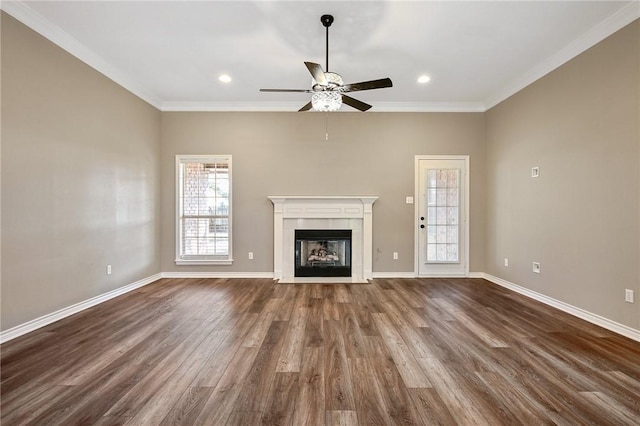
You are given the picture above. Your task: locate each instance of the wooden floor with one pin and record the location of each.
(249, 351)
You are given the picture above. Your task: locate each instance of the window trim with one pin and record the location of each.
(201, 259)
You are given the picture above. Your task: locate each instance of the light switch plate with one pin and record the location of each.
(535, 172)
(409, 200)
(628, 295)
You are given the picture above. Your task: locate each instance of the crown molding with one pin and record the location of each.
(21, 11)
(182, 106)
(429, 107)
(604, 29)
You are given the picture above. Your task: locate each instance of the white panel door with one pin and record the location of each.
(441, 220)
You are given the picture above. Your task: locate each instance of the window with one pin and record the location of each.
(203, 192)
(443, 215)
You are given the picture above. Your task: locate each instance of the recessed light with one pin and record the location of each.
(225, 78)
(423, 79)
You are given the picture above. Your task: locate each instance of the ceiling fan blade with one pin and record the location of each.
(367, 85)
(307, 107)
(317, 73)
(355, 103)
(286, 90)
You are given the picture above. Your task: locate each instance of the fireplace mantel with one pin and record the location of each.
(292, 212)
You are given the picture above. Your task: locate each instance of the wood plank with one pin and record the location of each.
(188, 406)
(408, 331)
(370, 405)
(159, 404)
(221, 357)
(405, 361)
(341, 418)
(219, 406)
(403, 313)
(291, 355)
(338, 385)
(430, 407)
(311, 400)
(330, 307)
(281, 407)
(258, 383)
(517, 403)
(353, 338)
(363, 312)
(471, 324)
(36, 403)
(314, 327)
(257, 333)
(394, 393)
(616, 412)
(459, 402)
(154, 380)
(287, 295)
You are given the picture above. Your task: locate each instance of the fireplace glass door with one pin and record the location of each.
(323, 253)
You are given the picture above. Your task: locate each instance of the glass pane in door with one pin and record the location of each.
(443, 215)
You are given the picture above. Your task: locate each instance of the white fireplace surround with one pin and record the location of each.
(291, 212)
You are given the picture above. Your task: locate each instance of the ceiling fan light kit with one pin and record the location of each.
(327, 88)
(326, 101)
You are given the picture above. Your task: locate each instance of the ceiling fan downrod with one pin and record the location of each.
(327, 20)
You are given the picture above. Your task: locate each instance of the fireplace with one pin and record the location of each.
(353, 214)
(322, 253)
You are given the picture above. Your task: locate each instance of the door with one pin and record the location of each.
(441, 215)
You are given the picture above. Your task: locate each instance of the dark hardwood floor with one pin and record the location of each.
(250, 351)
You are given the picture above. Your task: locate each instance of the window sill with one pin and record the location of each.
(203, 262)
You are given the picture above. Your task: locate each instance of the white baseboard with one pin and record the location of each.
(217, 275)
(44, 320)
(393, 275)
(40, 322)
(603, 322)
(414, 275)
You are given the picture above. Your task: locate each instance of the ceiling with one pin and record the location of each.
(476, 53)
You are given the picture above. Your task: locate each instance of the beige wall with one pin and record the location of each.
(287, 154)
(80, 180)
(580, 218)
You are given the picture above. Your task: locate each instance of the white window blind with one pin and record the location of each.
(203, 209)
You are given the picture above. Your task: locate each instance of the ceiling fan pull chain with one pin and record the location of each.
(326, 126)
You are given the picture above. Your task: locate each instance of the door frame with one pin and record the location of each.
(416, 219)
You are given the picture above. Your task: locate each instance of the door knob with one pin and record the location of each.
(421, 226)
(421, 217)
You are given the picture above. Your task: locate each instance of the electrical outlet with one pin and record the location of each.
(536, 267)
(108, 269)
(506, 261)
(628, 296)
(250, 255)
(395, 255)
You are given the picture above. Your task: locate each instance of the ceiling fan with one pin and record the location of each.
(327, 89)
